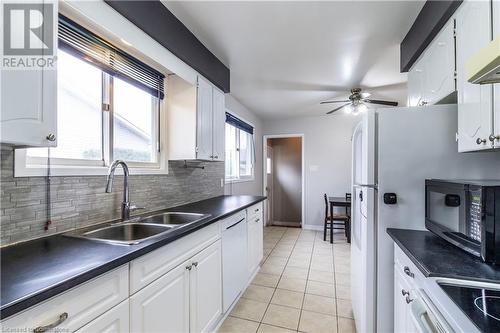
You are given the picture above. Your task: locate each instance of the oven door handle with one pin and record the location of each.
(426, 317)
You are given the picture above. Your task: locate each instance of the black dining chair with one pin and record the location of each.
(335, 221)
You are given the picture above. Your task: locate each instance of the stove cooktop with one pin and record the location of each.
(482, 306)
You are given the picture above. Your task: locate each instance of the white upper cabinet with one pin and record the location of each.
(495, 136)
(439, 78)
(204, 120)
(416, 77)
(219, 121)
(29, 104)
(475, 109)
(196, 119)
(432, 77)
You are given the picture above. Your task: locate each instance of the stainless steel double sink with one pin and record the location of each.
(139, 229)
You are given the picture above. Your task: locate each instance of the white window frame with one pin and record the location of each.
(244, 178)
(29, 166)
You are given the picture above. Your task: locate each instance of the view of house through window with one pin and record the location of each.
(239, 156)
(84, 128)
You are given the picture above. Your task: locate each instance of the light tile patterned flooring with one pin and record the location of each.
(303, 285)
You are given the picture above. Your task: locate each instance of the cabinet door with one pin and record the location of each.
(416, 83)
(439, 76)
(204, 120)
(28, 102)
(255, 243)
(402, 312)
(162, 306)
(116, 320)
(496, 99)
(206, 288)
(219, 122)
(473, 31)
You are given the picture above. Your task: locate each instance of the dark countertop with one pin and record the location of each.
(34, 271)
(435, 257)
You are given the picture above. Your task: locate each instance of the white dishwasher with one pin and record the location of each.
(234, 257)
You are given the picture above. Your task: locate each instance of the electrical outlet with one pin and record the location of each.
(222, 182)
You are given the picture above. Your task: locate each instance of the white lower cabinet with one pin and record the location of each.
(116, 320)
(403, 296)
(162, 306)
(255, 228)
(75, 308)
(206, 289)
(186, 299)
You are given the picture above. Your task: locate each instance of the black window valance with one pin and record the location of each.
(238, 123)
(75, 39)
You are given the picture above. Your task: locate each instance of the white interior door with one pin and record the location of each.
(269, 185)
(363, 225)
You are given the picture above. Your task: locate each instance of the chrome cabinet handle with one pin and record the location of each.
(493, 137)
(257, 220)
(50, 327)
(195, 264)
(216, 156)
(480, 141)
(405, 292)
(408, 272)
(408, 299)
(51, 137)
(189, 267)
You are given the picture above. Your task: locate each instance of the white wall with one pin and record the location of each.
(327, 158)
(255, 186)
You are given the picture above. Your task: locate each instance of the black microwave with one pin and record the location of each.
(466, 214)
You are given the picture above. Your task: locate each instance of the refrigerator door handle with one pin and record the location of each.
(374, 186)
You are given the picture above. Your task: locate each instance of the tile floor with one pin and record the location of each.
(302, 286)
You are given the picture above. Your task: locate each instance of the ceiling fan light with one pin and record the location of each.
(349, 109)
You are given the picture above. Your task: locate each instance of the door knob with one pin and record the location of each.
(492, 137)
(51, 137)
(480, 141)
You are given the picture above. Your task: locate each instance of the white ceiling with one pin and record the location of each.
(286, 57)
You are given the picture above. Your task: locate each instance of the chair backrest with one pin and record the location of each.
(348, 197)
(326, 205)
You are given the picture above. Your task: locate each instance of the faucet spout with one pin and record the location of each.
(109, 186)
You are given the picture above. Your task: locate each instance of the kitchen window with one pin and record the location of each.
(108, 108)
(240, 150)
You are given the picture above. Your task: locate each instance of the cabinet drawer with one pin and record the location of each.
(148, 268)
(405, 266)
(254, 211)
(116, 320)
(81, 304)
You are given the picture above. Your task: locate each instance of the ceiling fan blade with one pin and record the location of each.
(341, 101)
(365, 94)
(340, 107)
(376, 101)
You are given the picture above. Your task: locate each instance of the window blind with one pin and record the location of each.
(238, 123)
(76, 39)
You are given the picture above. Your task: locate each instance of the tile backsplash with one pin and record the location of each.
(81, 201)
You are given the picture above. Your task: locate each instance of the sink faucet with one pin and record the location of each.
(126, 207)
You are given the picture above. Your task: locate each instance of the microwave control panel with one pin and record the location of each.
(475, 217)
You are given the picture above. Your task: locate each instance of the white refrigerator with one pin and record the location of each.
(394, 151)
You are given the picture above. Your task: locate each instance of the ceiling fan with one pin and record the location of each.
(356, 102)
